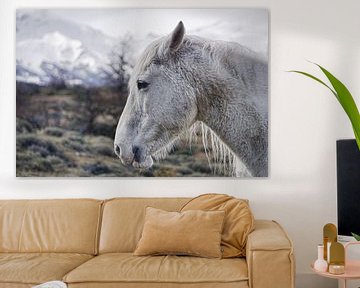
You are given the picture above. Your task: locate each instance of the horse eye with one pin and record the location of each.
(142, 84)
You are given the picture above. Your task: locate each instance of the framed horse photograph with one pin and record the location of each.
(142, 92)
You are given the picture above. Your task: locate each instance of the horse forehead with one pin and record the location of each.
(150, 54)
(156, 53)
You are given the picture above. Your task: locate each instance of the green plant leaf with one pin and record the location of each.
(316, 79)
(346, 100)
(357, 137)
(344, 97)
(356, 236)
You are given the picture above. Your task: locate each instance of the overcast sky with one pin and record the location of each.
(247, 26)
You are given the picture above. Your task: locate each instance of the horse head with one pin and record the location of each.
(161, 102)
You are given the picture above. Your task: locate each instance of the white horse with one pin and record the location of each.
(180, 81)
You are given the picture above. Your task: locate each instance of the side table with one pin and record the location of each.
(352, 268)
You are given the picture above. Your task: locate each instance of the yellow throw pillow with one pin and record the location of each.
(193, 232)
(239, 220)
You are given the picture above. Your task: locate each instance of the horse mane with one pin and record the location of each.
(221, 159)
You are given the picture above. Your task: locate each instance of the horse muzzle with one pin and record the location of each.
(135, 156)
(126, 156)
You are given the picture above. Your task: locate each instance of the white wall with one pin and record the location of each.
(305, 120)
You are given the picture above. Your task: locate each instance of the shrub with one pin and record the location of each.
(185, 171)
(200, 167)
(77, 138)
(24, 126)
(104, 150)
(147, 173)
(97, 168)
(76, 146)
(28, 164)
(165, 171)
(103, 124)
(30, 141)
(56, 161)
(54, 131)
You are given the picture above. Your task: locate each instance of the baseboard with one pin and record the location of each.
(309, 280)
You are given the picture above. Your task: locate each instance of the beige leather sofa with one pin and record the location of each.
(89, 243)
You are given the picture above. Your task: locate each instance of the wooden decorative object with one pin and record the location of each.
(330, 236)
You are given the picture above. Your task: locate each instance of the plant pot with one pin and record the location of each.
(348, 187)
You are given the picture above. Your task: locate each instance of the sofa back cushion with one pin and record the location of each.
(66, 226)
(123, 220)
(238, 224)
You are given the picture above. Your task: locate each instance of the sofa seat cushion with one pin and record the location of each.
(127, 268)
(36, 268)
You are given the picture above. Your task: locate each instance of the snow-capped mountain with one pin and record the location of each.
(52, 49)
(52, 46)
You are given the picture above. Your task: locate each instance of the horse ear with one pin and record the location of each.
(177, 37)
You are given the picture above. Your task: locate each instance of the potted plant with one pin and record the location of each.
(345, 99)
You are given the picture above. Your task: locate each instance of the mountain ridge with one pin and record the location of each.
(52, 49)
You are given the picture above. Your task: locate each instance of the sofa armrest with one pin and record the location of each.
(269, 256)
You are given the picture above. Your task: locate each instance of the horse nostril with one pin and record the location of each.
(117, 150)
(136, 152)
